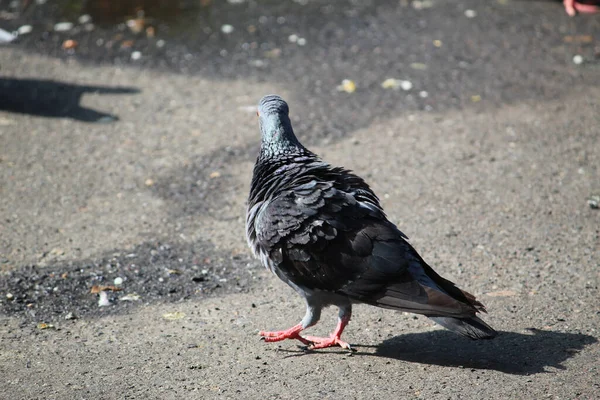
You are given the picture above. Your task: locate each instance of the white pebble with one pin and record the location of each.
(24, 30)
(406, 85)
(301, 41)
(118, 281)
(227, 29)
(84, 19)
(423, 94)
(470, 13)
(63, 26)
(578, 59)
(9, 296)
(160, 43)
(136, 55)
(293, 38)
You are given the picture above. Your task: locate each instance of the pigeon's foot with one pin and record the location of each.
(572, 7)
(277, 336)
(322, 343)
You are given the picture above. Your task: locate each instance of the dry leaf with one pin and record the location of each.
(100, 288)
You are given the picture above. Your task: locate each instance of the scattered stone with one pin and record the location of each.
(160, 43)
(149, 182)
(301, 42)
(63, 26)
(9, 296)
(118, 281)
(470, 13)
(293, 38)
(136, 55)
(437, 43)
(70, 316)
(227, 29)
(577, 59)
(24, 30)
(594, 202)
(215, 174)
(476, 98)
(84, 19)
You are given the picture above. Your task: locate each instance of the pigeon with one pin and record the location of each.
(322, 230)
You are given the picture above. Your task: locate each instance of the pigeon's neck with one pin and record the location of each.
(278, 138)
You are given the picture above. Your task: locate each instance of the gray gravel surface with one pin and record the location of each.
(139, 169)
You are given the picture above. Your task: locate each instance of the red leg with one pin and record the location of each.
(573, 6)
(334, 339)
(292, 333)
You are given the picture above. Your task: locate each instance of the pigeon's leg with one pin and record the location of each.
(313, 313)
(334, 339)
(573, 6)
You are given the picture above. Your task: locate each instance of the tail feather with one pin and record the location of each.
(473, 327)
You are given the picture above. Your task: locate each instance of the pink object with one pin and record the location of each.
(572, 7)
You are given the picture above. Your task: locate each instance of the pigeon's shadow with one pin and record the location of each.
(47, 98)
(509, 352)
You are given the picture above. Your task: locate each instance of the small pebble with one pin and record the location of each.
(437, 43)
(470, 13)
(118, 281)
(227, 29)
(9, 296)
(577, 60)
(63, 26)
(160, 43)
(24, 30)
(136, 55)
(423, 94)
(84, 19)
(301, 41)
(293, 38)
(70, 316)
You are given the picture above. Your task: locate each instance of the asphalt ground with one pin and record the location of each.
(114, 166)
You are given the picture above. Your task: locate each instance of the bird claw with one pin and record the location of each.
(322, 343)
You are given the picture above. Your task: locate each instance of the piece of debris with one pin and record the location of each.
(347, 86)
(101, 288)
(69, 44)
(130, 297)
(594, 202)
(24, 30)
(43, 325)
(103, 300)
(395, 84)
(173, 316)
(9, 296)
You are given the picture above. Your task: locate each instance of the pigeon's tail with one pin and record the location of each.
(473, 327)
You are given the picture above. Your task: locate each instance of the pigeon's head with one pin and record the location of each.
(275, 126)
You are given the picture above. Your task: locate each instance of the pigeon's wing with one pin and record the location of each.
(320, 237)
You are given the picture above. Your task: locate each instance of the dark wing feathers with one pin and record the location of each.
(330, 241)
